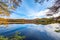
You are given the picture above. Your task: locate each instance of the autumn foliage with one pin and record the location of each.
(6, 6)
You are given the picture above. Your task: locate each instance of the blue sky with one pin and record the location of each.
(30, 10)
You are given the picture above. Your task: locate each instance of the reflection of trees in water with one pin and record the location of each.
(58, 28)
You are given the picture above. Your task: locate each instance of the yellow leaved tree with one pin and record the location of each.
(6, 6)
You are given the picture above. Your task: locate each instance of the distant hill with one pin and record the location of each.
(31, 21)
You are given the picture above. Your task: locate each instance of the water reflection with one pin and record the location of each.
(32, 31)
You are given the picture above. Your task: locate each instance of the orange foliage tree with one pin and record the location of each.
(6, 6)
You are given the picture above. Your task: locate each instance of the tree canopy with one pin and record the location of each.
(7, 5)
(54, 8)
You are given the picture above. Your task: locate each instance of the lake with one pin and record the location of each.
(32, 31)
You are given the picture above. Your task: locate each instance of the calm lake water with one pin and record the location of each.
(32, 31)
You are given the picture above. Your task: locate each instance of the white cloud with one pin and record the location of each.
(54, 15)
(34, 14)
(30, 13)
(41, 14)
(57, 14)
